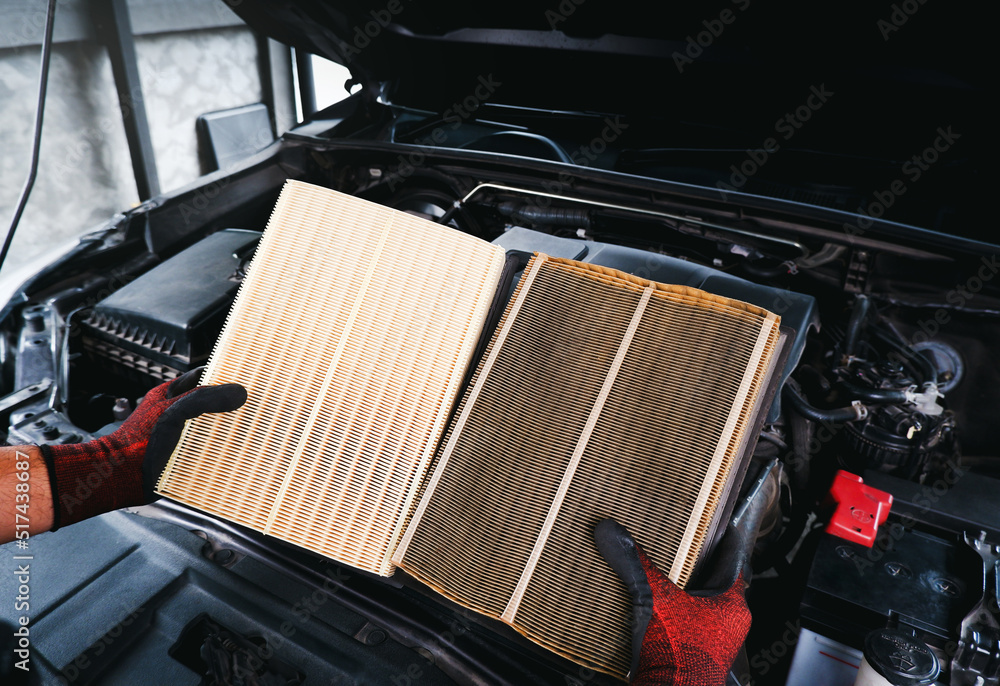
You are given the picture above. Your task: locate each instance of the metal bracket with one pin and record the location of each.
(977, 660)
(111, 18)
(12, 401)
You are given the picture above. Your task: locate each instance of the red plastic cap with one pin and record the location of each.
(860, 509)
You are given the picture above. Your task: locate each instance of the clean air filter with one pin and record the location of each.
(600, 395)
(352, 333)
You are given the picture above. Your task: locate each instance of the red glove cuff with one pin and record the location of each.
(105, 474)
(690, 640)
(92, 478)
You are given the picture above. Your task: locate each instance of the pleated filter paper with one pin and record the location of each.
(351, 332)
(600, 394)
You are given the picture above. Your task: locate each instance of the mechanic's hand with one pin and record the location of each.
(677, 639)
(121, 469)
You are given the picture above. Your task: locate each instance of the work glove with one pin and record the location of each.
(691, 639)
(121, 469)
(677, 639)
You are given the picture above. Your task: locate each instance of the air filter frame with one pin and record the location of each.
(764, 384)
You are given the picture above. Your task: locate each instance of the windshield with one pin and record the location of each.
(932, 183)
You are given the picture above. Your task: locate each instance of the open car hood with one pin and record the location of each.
(603, 55)
(849, 93)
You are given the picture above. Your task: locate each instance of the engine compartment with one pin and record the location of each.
(891, 375)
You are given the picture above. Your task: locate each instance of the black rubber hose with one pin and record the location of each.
(858, 315)
(555, 216)
(836, 415)
(774, 440)
(875, 395)
(449, 213)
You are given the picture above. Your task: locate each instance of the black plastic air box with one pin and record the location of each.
(166, 321)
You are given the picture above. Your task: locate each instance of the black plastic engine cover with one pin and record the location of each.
(167, 320)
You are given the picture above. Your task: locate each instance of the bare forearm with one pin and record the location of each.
(25, 494)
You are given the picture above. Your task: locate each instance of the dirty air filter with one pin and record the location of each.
(601, 395)
(352, 332)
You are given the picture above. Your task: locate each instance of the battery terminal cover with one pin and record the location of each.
(860, 509)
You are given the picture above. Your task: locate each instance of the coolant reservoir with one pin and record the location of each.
(893, 658)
